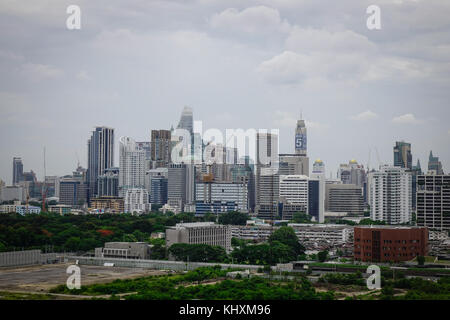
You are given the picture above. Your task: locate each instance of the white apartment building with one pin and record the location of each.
(332, 233)
(136, 200)
(131, 165)
(389, 195)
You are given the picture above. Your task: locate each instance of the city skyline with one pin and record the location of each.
(237, 64)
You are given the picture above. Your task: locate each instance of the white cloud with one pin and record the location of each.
(83, 75)
(254, 20)
(407, 118)
(36, 72)
(288, 120)
(364, 116)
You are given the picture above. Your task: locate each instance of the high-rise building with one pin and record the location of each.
(187, 120)
(132, 166)
(17, 171)
(293, 195)
(136, 200)
(402, 155)
(72, 192)
(318, 174)
(228, 195)
(100, 156)
(352, 173)
(161, 148)
(389, 193)
(301, 138)
(433, 201)
(159, 189)
(146, 146)
(181, 185)
(108, 183)
(344, 198)
(434, 165)
(267, 177)
(293, 164)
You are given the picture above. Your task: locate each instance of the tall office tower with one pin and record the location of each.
(434, 165)
(293, 164)
(352, 173)
(390, 195)
(402, 155)
(100, 156)
(433, 201)
(415, 171)
(187, 120)
(181, 185)
(160, 148)
(244, 172)
(220, 197)
(158, 190)
(293, 195)
(318, 174)
(132, 166)
(267, 177)
(108, 183)
(17, 171)
(300, 138)
(344, 198)
(73, 190)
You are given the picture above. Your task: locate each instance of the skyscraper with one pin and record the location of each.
(160, 148)
(181, 185)
(402, 155)
(100, 156)
(389, 194)
(267, 177)
(301, 138)
(17, 171)
(131, 166)
(318, 174)
(434, 165)
(187, 120)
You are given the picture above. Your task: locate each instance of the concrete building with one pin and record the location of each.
(161, 148)
(108, 204)
(234, 196)
(124, 250)
(200, 233)
(136, 201)
(60, 209)
(158, 190)
(131, 167)
(318, 174)
(301, 138)
(344, 198)
(181, 185)
(433, 201)
(389, 243)
(293, 164)
(23, 209)
(390, 195)
(434, 165)
(267, 177)
(402, 155)
(72, 192)
(10, 193)
(352, 173)
(293, 195)
(17, 171)
(332, 233)
(100, 157)
(108, 183)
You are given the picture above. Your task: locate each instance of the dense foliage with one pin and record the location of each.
(233, 218)
(198, 252)
(80, 233)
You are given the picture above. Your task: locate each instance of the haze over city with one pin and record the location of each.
(134, 65)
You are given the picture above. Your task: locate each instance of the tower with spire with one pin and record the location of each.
(300, 137)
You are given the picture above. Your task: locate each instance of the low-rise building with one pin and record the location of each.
(330, 233)
(60, 209)
(124, 250)
(389, 243)
(27, 209)
(200, 233)
(108, 204)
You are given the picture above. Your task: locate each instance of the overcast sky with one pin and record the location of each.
(239, 64)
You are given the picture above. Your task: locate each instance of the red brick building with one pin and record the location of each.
(389, 243)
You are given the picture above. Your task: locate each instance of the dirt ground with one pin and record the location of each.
(41, 278)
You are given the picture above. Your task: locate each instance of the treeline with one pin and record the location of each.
(80, 233)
